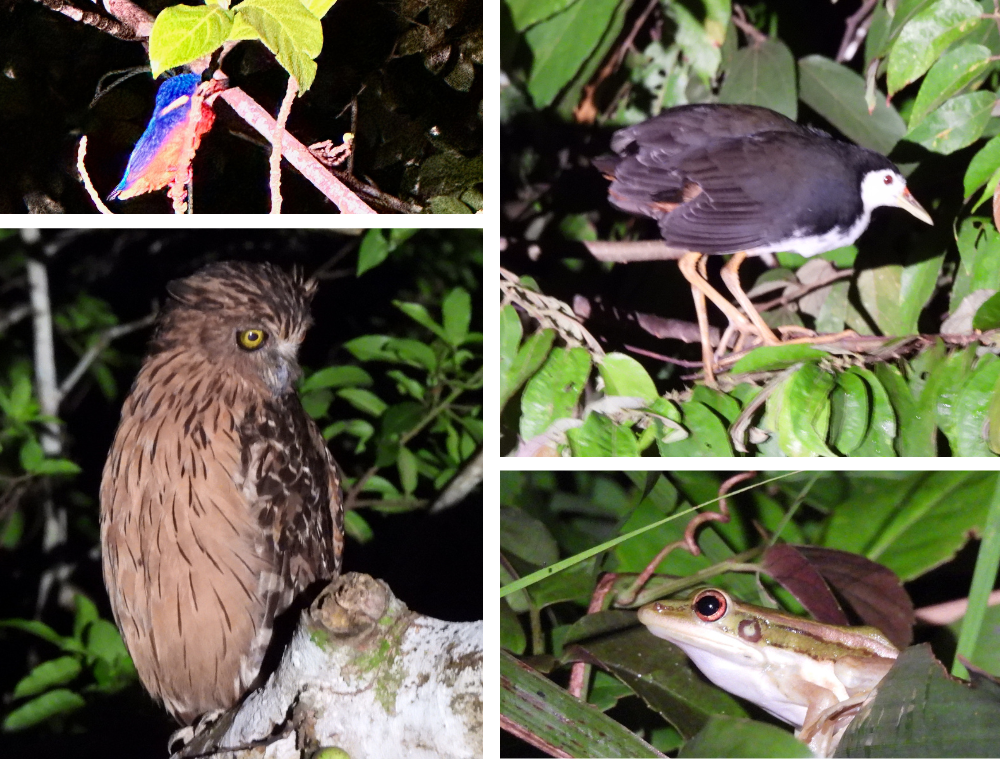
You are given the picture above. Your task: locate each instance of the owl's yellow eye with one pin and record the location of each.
(251, 339)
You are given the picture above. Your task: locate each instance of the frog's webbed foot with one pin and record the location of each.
(822, 732)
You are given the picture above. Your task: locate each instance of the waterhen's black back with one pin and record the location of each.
(726, 178)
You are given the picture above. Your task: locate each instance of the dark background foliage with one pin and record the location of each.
(418, 131)
(415, 552)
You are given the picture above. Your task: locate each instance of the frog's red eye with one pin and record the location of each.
(710, 605)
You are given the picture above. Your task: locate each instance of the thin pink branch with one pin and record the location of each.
(286, 108)
(296, 153)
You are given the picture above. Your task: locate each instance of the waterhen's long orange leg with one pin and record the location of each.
(701, 310)
(731, 276)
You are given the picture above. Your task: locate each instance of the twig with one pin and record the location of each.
(753, 34)
(81, 155)
(626, 252)
(688, 542)
(286, 107)
(15, 315)
(296, 153)
(586, 110)
(784, 300)
(102, 342)
(96, 20)
(855, 29)
(350, 501)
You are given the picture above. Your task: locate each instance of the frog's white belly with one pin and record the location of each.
(772, 686)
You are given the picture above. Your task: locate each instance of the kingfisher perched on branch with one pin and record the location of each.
(155, 159)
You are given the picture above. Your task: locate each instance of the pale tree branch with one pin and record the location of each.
(364, 674)
(295, 153)
(46, 385)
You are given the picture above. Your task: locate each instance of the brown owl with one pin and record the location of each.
(220, 503)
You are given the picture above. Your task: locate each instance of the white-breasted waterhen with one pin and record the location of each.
(746, 180)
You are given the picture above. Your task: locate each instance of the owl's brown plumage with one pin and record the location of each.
(220, 503)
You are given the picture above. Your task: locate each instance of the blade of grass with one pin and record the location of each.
(985, 574)
(541, 574)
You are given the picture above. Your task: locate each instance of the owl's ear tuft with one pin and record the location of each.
(182, 291)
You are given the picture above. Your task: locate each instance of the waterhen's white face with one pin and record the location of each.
(888, 188)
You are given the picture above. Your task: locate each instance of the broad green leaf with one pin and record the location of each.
(800, 408)
(48, 674)
(367, 347)
(889, 523)
(526, 537)
(447, 204)
(421, 316)
(544, 709)
(988, 315)
(600, 436)
(400, 418)
(183, 33)
(57, 466)
(917, 429)
(526, 362)
(708, 434)
(317, 402)
(363, 400)
(623, 375)
(726, 406)
(46, 633)
(945, 385)
(950, 75)
(850, 412)
(554, 390)
(105, 642)
(319, 8)
(406, 384)
(982, 166)
(944, 716)
(971, 407)
(336, 376)
(456, 314)
(562, 43)
(956, 124)
(525, 13)
(882, 426)
(375, 248)
(700, 42)
(86, 614)
(289, 30)
(769, 358)
(32, 455)
(736, 736)
(51, 704)
(412, 352)
(979, 258)
(837, 94)
(357, 527)
(926, 36)
(406, 463)
(763, 74)
(358, 428)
